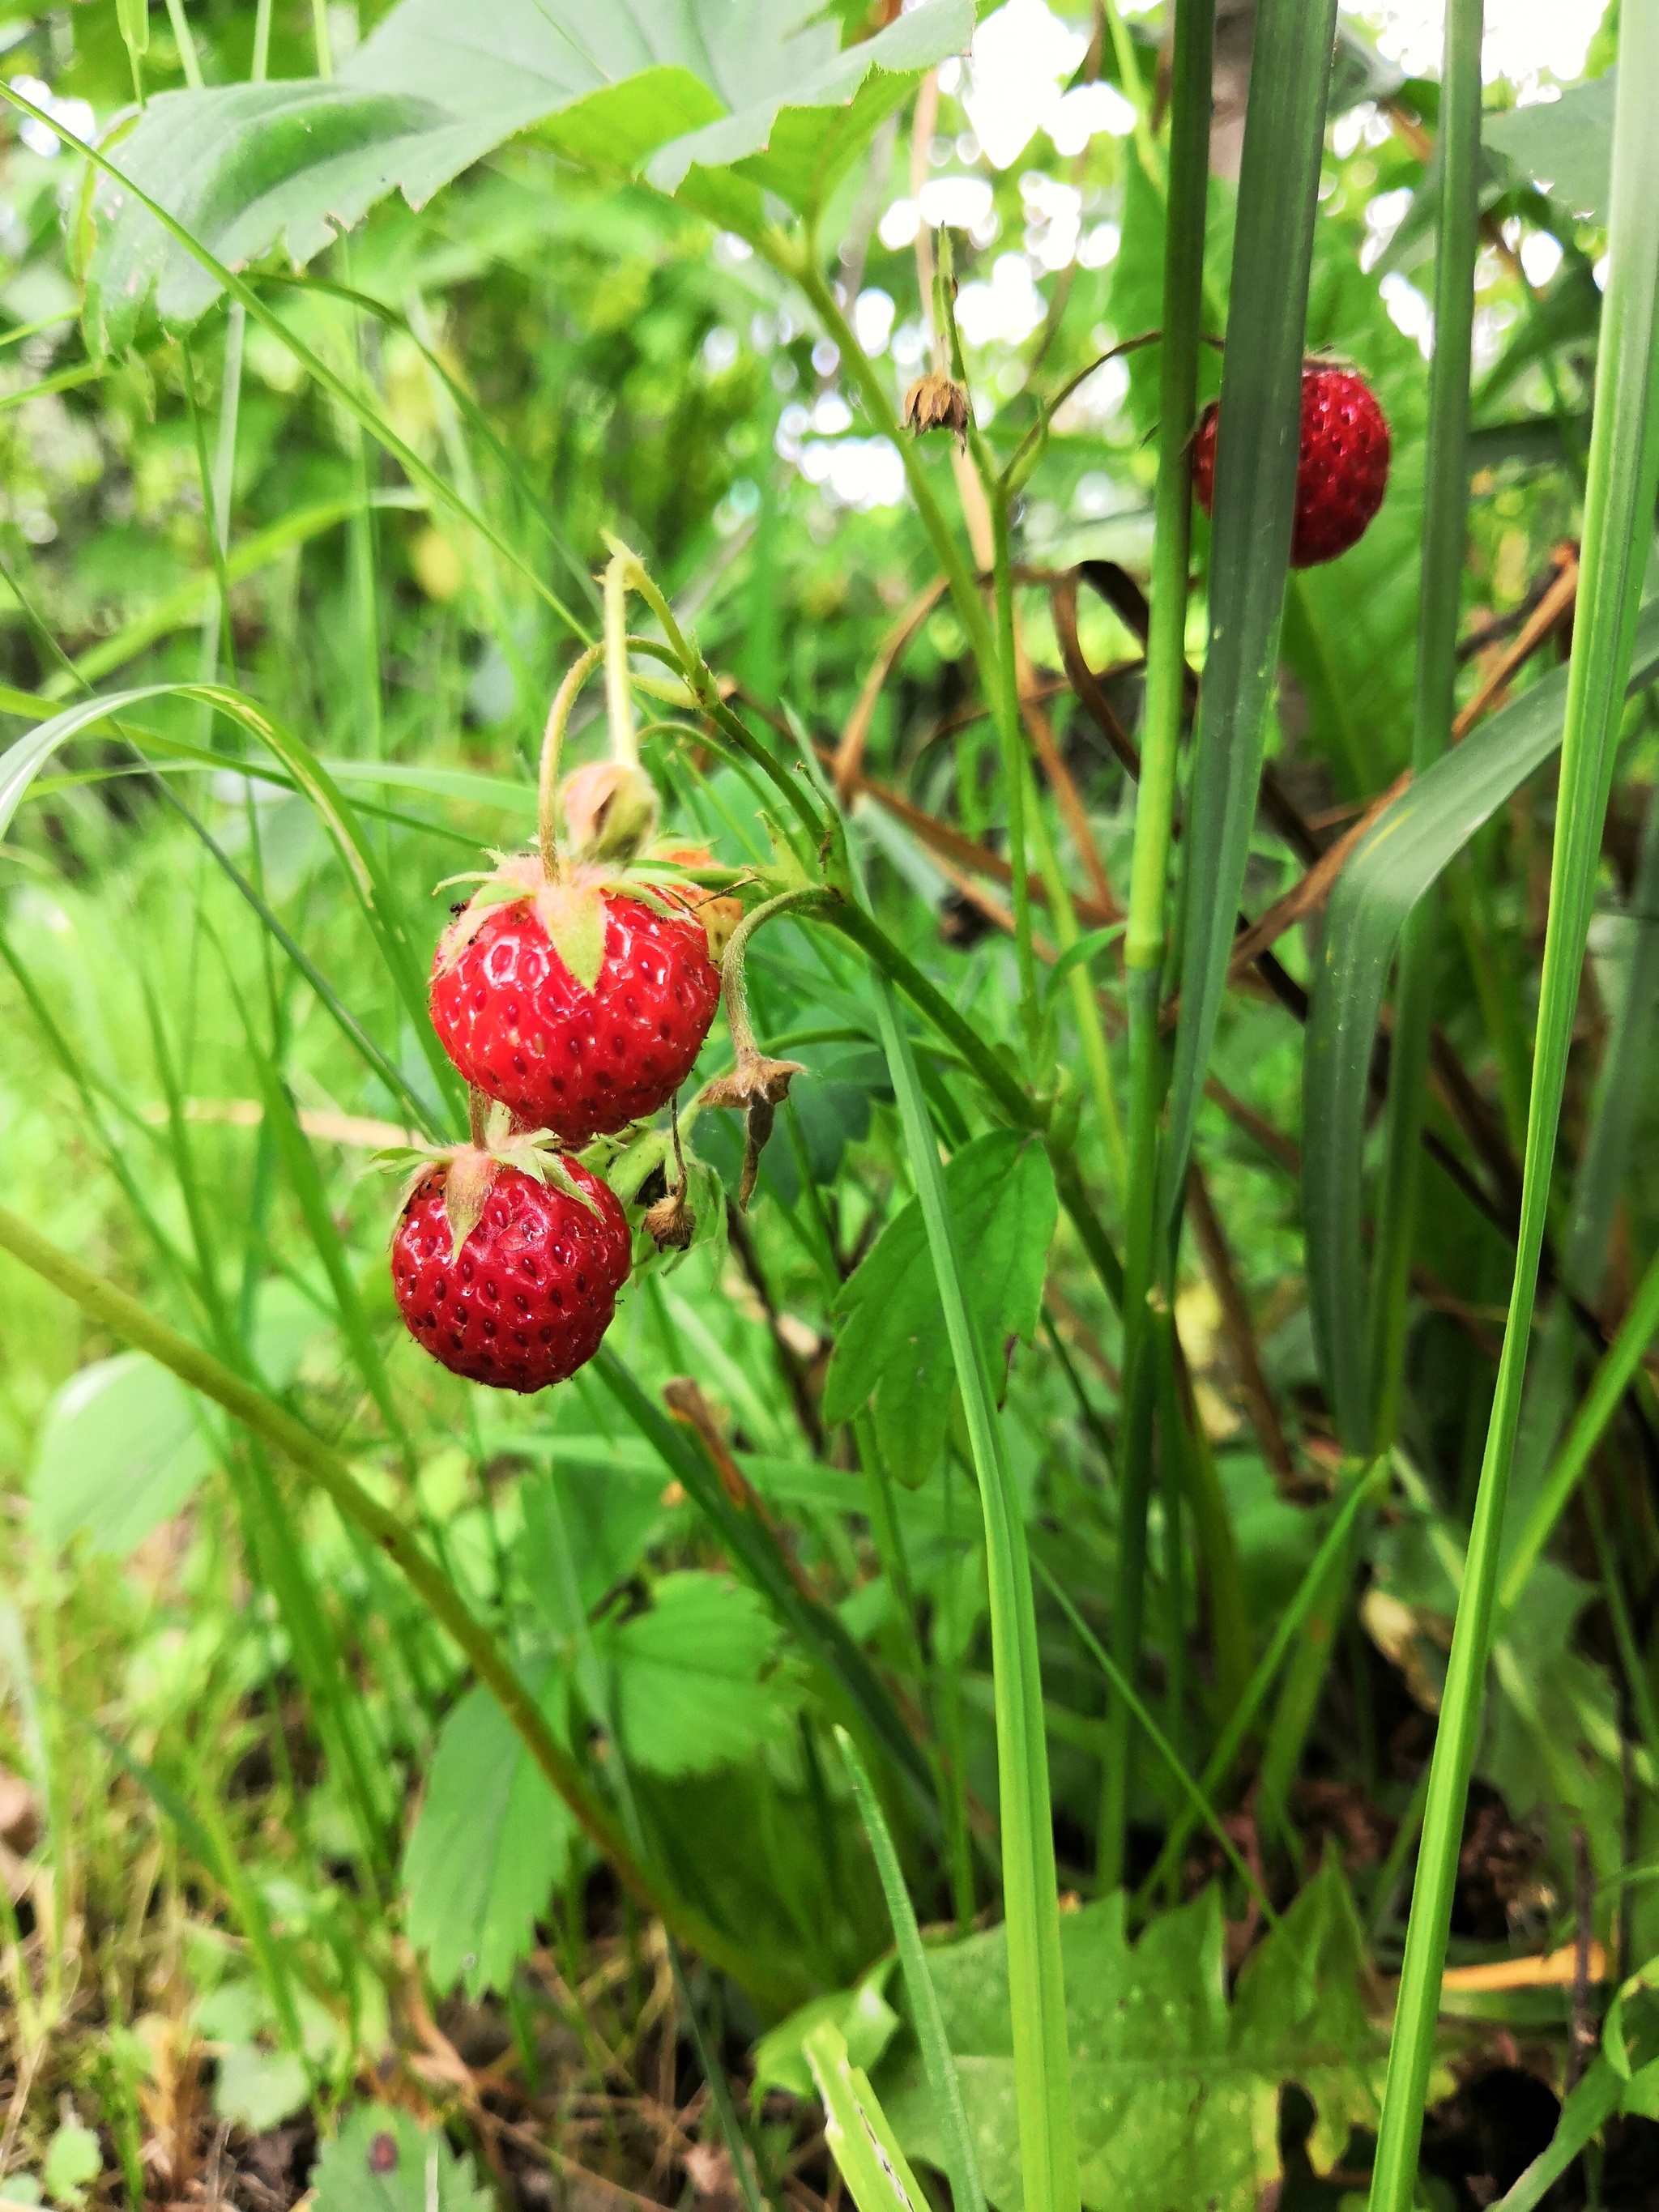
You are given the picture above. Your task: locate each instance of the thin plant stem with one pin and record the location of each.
(1617, 513)
(547, 780)
(618, 696)
(1145, 935)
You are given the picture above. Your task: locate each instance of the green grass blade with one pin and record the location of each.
(1037, 1990)
(961, 2161)
(1406, 849)
(1612, 1377)
(1199, 1805)
(753, 1549)
(1624, 461)
(1146, 938)
(1445, 529)
(1257, 446)
(1287, 1631)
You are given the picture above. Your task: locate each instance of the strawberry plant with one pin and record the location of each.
(981, 1527)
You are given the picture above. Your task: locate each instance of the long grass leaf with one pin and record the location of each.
(1624, 462)
(1037, 1990)
(1405, 852)
(1146, 939)
(961, 2160)
(1259, 439)
(1445, 528)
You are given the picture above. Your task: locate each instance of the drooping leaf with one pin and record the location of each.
(1177, 2093)
(122, 1449)
(1565, 145)
(1406, 851)
(692, 1692)
(893, 1343)
(689, 84)
(383, 2160)
(124, 1444)
(488, 1847)
(866, 2022)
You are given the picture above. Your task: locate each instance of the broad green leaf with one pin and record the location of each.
(122, 1449)
(383, 2160)
(893, 1344)
(1405, 850)
(255, 2088)
(1565, 145)
(1177, 2094)
(692, 1692)
(689, 84)
(866, 2022)
(74, 2159)
(124, 1444)
(489, 1845)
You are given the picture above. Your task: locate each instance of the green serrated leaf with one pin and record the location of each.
(691, 1692)
(488, 1847)
(383, 2160)
(892, 1343)
(687, 85)
(1177, 2093)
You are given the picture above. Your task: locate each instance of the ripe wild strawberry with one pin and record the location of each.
(506, 1274)
(1342, 473)
(579, 1007)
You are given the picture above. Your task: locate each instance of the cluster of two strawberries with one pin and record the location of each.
(575, 1002)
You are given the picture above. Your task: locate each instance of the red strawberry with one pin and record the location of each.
(1342, 473)
(580, 1054)
(521, 1297)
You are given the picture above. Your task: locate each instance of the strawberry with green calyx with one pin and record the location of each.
(507, 1256)
(577, 989)
(757, 1086)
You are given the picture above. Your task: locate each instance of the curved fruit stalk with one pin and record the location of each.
(577, 989)
(757, 1086)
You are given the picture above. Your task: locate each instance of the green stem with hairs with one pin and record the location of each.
(618, 698)
(547, 782)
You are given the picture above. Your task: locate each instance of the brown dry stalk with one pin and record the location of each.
(1061, 782)
(1313, 888)
(1239, 1327)
(849, 753)
(1556, 603)
(685, 1401)
(947, 843)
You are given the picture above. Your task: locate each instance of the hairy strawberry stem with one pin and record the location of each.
(618, 698)
(558, 715)
(733, 980)
(478, 1114)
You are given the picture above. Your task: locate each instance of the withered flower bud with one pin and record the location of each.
(935, 402)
